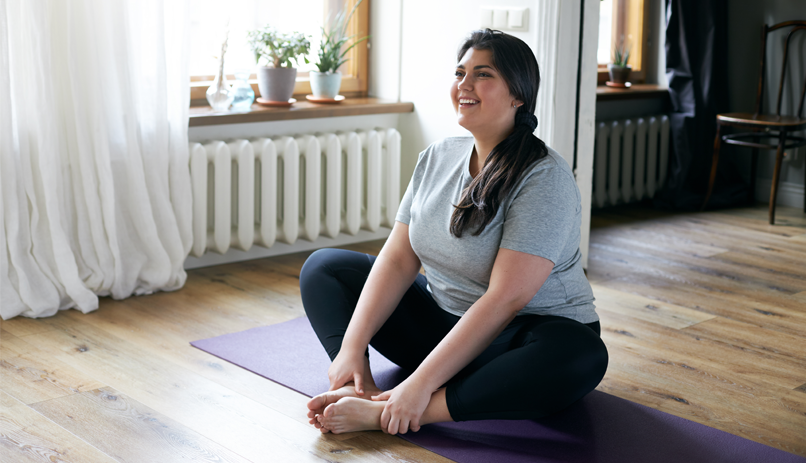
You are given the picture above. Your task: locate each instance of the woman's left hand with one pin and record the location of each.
(404, 408)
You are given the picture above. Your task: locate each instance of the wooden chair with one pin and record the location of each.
(758, 126)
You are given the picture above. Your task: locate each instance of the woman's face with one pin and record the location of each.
(480, 96)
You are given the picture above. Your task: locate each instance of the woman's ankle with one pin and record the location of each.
(437, 409)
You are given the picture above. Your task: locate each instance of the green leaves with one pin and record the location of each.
(622, 54)
(278, 48)
(334, 38)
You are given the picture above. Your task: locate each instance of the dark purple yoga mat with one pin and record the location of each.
(599, 428)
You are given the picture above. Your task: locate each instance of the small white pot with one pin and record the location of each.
(325, 84)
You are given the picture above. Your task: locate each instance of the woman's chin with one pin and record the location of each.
(465, 124)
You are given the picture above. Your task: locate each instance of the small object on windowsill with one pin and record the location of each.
(242, 92)
(618, 84)
(220, 94)
(278, 104)
(313, 99)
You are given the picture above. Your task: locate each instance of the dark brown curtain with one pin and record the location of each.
(696, 68)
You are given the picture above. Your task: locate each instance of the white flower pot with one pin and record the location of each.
(325, 84)
(276, 84)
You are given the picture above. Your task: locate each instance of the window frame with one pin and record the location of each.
(354, 81)
(620, 13)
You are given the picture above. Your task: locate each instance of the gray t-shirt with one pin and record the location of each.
(540, 216)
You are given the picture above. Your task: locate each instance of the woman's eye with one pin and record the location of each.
(458, 74)
(483, 74)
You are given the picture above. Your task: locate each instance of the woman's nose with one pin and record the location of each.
(464, 84)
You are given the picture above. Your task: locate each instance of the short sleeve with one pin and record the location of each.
(404, 211)
(541, 217)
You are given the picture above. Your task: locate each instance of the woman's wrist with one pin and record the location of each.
(356, 338)
(352, 348)
(422, 381)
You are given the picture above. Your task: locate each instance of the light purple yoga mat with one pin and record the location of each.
(599, 428)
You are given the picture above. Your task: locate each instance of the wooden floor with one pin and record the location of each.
(704, 316)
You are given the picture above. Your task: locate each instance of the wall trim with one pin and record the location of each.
(789, 193)
(259, 252)
(586, 115)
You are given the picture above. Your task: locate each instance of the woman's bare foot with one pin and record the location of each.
(316, 406)
(351, 414)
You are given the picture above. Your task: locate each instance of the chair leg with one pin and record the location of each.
(714, 164)
(779, 157)
(753, 170)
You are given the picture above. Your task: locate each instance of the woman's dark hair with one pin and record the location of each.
(517, 66)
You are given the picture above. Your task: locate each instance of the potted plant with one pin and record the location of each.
(326, 82)
(619, 70)
(276, 82)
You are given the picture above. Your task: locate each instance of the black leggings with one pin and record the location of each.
(538, 365)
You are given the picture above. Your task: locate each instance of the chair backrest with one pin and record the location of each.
(796, 26)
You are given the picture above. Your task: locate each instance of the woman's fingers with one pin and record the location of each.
(358, 378)
(394, 425)
(414, 426)
(382, 396)
(404, 426)
(385, 415)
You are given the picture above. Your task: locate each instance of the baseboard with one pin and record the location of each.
(259, 252)
(789, 193)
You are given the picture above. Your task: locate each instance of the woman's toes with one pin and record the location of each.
(317, 403)
(322, 428)
(321, 424)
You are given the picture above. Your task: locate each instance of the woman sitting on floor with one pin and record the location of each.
(503, 325)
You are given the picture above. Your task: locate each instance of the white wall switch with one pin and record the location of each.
(500, 19)
(505, 19)
(515, 18)
(486, 18)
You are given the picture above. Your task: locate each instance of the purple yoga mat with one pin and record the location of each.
(599, 428)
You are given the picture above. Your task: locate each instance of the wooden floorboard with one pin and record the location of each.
(118, 426)
(27, 436)
(704, 316)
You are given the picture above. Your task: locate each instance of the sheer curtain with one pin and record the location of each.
(546, 51)
(93, 152)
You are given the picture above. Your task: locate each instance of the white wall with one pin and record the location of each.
(745, 20)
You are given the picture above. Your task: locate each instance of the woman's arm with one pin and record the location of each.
(516, 277)
(392, 274)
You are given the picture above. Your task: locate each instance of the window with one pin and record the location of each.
(623, 21)
(210, 19)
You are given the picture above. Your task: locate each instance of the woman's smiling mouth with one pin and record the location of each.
(467, 102)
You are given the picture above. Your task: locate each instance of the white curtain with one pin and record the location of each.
(546, 51)
(95, 188)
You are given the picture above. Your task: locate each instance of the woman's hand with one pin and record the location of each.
(347, 366)
(404, 407)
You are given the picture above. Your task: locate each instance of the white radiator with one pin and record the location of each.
(265, 190)
(630, 159)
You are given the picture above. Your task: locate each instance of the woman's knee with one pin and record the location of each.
(341, 267)
(320, 261)
(577, 354)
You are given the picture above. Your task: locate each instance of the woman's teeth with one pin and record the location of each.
(462, 101)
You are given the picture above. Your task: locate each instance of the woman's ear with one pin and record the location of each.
(517, 104)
